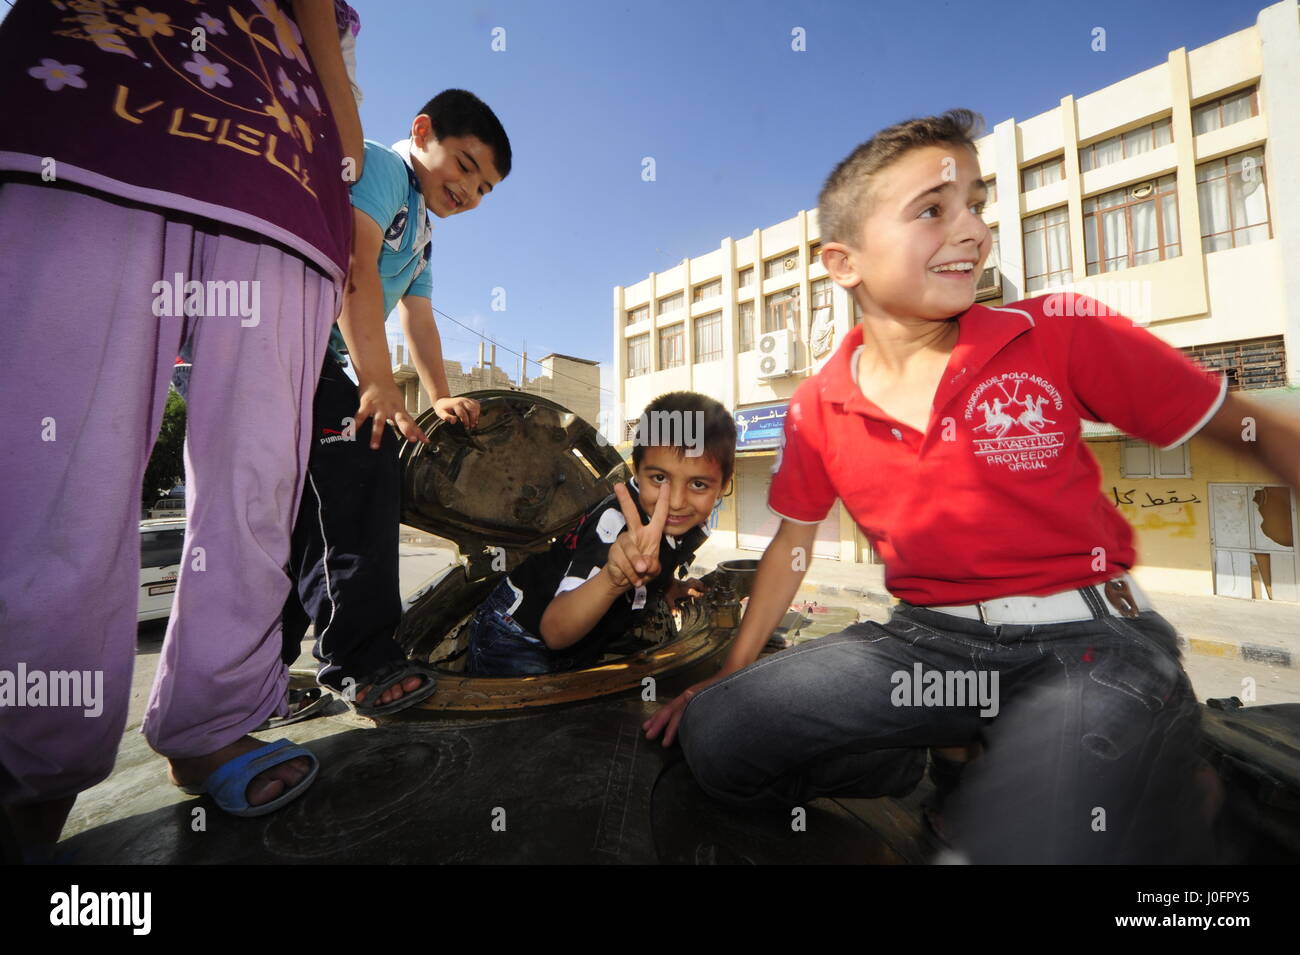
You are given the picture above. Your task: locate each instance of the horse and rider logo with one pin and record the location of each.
(1015, 432)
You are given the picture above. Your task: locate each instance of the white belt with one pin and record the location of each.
(1122, 597)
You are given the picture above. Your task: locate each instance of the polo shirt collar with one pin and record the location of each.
(982, 333)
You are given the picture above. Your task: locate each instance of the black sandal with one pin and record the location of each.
(388, 676)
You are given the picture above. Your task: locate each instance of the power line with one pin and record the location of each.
(556, 372)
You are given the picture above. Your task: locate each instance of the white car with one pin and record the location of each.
(161, 541)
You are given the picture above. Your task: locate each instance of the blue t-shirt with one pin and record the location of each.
(389, 193)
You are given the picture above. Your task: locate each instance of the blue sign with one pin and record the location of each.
(760, 427)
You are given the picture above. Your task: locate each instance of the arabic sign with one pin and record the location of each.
(1126, 497)
(760, 427)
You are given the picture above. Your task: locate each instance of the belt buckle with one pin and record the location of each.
(1121, 598)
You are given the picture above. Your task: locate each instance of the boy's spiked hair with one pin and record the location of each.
(461, 113)
(845, 199)
(714, 426)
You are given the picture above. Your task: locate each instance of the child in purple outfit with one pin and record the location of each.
(181, 166)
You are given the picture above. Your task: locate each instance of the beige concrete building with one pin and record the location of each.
(571, 382)
(1169, 195)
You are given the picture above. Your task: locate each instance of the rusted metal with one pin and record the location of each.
(462, 694)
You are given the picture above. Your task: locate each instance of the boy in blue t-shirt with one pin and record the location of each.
(344, 556)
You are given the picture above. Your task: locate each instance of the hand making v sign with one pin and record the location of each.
(634, 556)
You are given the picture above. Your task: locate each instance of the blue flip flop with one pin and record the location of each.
(228, 784)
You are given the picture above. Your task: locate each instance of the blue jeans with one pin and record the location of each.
(498, 645)
(1090, 744)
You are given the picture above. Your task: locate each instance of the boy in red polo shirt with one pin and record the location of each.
(952, 432)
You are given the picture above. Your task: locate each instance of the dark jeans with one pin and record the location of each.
(498, 645)
(343, 559)
(1090, 756)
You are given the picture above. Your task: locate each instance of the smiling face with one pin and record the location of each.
(923, 242)
(693, 486)
(455, 173)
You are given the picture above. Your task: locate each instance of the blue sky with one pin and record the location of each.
(742, 128)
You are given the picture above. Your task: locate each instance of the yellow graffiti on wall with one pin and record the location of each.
(1165, 512)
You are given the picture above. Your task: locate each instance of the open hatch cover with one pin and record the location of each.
(527, 471)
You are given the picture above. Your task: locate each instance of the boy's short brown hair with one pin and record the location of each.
(680, 419)
(844, 200)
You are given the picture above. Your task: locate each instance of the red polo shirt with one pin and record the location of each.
(1001, 495)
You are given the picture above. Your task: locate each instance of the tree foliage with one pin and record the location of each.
(167, 463)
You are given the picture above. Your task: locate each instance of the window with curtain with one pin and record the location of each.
(708, 337)
(671, 303)
(638, 314)
(1234, 201)
(781, 310)
(1126, 145)
(706, 290)
(638, 355)
(779, 265)
(746, 277)
(822, 329)
(1226, 110)
(1131, 226)
(1047, 250)
(1042, 174)
(745, 318)
(672, 346)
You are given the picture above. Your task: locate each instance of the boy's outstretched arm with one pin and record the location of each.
(1272, 438)
(362, 324)
(775, 585)
(421, 331)
(320, 34)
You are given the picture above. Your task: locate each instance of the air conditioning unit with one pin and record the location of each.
(775, 354)
(989, 284)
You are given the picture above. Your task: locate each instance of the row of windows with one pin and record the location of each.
(1138, 224)
(1216, 114)
(780, 311)
(774, 267)
(1123, 228)
(1126, 227)
(1147, 246)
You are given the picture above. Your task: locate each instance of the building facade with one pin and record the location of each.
(1167, 195)
(571, 382)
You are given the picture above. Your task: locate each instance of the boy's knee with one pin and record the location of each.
(708, 735)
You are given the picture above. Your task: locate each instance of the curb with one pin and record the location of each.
(1249, 652)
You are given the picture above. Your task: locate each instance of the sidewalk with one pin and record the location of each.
(1253, 630)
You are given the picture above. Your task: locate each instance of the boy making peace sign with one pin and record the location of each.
(559, 609)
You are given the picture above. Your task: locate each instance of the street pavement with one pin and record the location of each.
(1232, 648)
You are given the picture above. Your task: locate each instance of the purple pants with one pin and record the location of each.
(81, 400)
